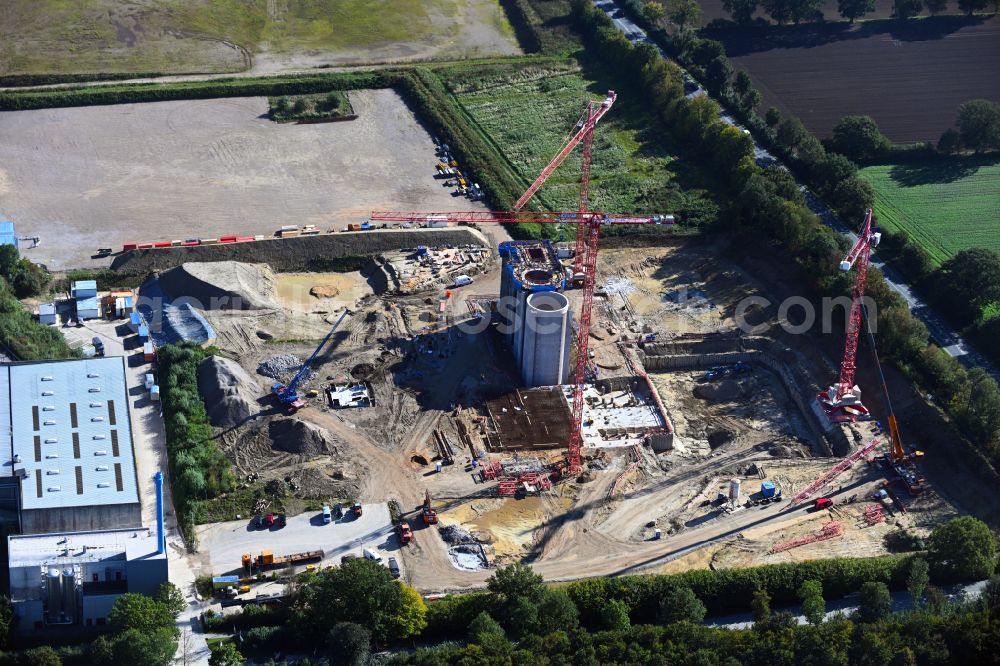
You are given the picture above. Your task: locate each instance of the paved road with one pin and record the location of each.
(900, 602)
(942, 333)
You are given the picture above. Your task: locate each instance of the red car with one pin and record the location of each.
(269, 520)
(823, 503)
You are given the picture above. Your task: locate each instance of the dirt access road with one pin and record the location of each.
(84, 178)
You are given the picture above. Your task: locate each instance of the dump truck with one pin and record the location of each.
(268, 560)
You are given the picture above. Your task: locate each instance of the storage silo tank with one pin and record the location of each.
(69, 595)
(546, 339)
(734, 490)
(53, 584)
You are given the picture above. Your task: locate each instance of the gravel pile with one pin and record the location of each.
(456, 535)
(283, 366)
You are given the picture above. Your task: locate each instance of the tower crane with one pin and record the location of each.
(286, 393)
(842, 401)
(585, 260)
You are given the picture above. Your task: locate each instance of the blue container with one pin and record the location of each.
(143, 332)
(134, 318)
(767, 489)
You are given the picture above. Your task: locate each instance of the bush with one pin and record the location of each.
(198, 468)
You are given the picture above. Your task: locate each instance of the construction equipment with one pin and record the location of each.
(837, 470)
(585, 259)
(430, 515)
(287, 394)
(831, 530)
(268, 560)
(842, 401)
(405, 533)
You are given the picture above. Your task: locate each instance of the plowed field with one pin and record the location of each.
(910, 79)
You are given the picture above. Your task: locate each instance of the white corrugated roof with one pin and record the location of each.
(59, 549)
(65, 416)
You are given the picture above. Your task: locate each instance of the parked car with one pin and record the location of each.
(394, 567)
(281, 520)
(338, 511)
(269, 520)
(98, 346)
(327, 516)
(371, 555)
(823, 503)
(258, 522)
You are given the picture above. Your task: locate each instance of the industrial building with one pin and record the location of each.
(535, 317)
(69, 484)
(69, 448)
(75, 578)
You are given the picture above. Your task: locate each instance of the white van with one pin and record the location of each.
(371, 555)
(462, 280)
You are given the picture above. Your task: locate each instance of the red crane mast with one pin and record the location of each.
(585, 260)
(842, 401)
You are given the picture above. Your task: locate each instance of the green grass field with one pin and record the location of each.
(171, 36)
(529, 116)
(944, 206)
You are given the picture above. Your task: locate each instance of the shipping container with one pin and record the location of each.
(129, 246)
(148, 354)
(219, 582)
(209, 241)
(162, 244)
(145, 246)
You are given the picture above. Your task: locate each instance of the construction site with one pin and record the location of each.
(591, 410)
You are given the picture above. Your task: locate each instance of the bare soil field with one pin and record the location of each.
(206, 36)
(910, 78)
(84, 178)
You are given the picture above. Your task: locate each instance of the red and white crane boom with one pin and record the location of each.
(585, 261)
(842, 401)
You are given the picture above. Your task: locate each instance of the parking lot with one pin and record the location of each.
(225, 543)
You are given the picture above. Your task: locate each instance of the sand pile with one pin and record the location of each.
(295, 436)
(223, 285)
(230, 394)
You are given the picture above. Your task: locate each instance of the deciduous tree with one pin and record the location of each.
(904, 9)
(680, 603)
(855, 9)
(979, 125)
(348, 643)
(964, 548)
(969, 6)
(226, 654)
(935, 7)
(684, 13)
(741, 10)
(917, 579)
(875, 602)
(779, 10)
(859, 138)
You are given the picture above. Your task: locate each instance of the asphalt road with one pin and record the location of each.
(901, 602)
(942, 332)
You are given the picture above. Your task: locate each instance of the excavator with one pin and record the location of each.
(286, 393)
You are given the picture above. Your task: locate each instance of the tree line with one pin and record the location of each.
(20, 333)
(783, 12)
(199, 470)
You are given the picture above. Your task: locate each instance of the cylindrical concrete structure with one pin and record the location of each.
(734, 490)
(69, 595)
(53, 583)
(546, 336)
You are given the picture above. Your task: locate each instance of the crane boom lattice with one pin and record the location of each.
(837, 470)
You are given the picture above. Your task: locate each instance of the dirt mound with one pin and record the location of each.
(724, 391)
(223, 285)
(230, 394)
(295, 436)
(456, 534)
(324, 291)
